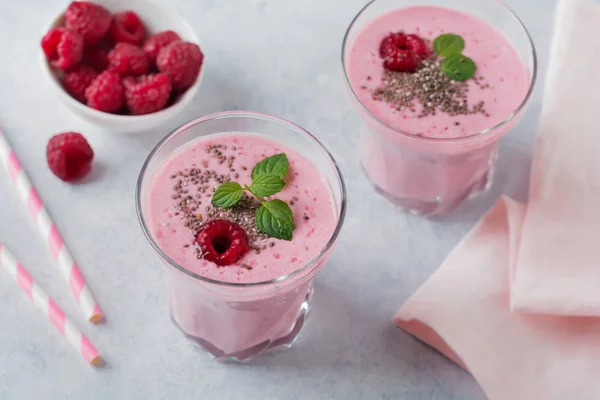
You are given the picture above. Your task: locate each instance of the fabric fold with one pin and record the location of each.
(463, 311)
(558, 265)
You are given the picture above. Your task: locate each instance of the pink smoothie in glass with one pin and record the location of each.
(497, 61)
(219, 322)
(416, 172)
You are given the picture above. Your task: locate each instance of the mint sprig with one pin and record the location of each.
(456, 65)
(265, 185)
(274, 217)
(448, 44)
(277, 165)
(227, 195)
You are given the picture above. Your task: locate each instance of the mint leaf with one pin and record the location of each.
(264, 185)
(448, 44)
(227, 195)
(275, 219)
(277, 165)
(458, 67)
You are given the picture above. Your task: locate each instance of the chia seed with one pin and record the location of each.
(429, 88)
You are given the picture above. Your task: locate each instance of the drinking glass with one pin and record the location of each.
(431, 176)
(236, 321)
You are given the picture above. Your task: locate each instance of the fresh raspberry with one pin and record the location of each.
(222, 242)
(417, 46)
(106, 93)
(96, 57)
(127, 59)
(69, 156)
(391, 43)
(403, 53)
(127, 27)
(157, 41)
(181, 62)
(62, 47)
(77, 80)
(90, 20)
(402, 61)
(147, 94)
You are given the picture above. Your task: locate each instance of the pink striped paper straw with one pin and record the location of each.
(48, 307)
(49, 232)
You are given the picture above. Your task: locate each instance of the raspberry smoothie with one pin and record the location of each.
(305, 191)
(432, 136)
(235, 289)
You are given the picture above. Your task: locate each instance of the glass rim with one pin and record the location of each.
(256, 115)
(521, 107)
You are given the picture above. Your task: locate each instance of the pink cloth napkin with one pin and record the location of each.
(516, 303)
(557, 270)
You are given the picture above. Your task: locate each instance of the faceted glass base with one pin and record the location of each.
(245, 355)
(439, 206)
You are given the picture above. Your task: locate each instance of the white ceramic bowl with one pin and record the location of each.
(156, 18)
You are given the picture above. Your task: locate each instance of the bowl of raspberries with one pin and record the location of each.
(125, 65)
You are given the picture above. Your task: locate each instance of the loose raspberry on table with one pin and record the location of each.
(90, 20)
(127, 27)
(181, 62)
(106, 93)
(147, 94)
(157, 41)
(127, 59)
(77, 80)
(69, 156)
(96, 57)
(63, 48)
(222, 242)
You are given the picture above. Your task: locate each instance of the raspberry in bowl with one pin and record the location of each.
(243, 210)
(102, 59)
(437, 86)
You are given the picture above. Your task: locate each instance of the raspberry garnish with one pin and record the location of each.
(69, 156)
(106, 92)
(181, 62)
(391, 43)
(127, 27)
(157, 41)
(418, 46)
(62, 47)
(403, 53)
(147, 94)
(90, 20)
(402, 61)
(77, 80)
(222, 242)
(96, 57)
(127, 59)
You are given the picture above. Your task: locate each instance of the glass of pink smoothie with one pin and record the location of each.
(261, 298)
(430, 162)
